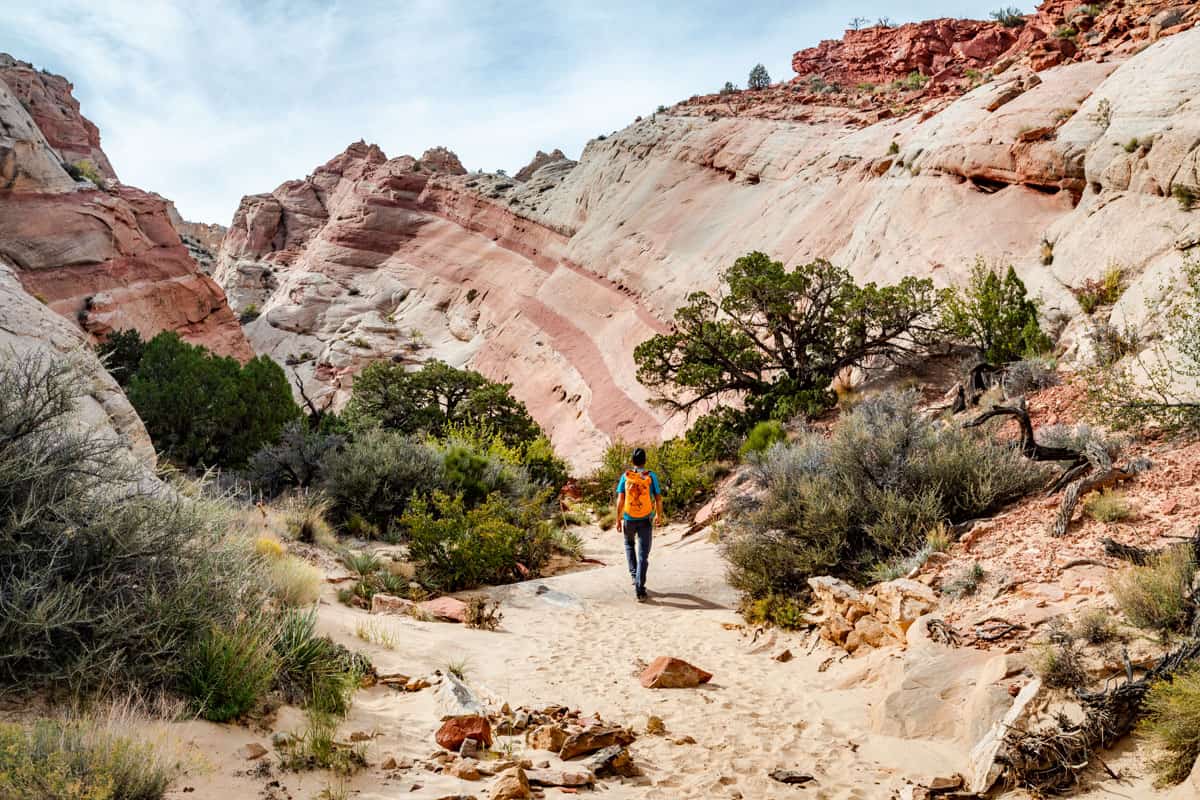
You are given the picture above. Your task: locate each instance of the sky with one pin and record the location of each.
(209, 100)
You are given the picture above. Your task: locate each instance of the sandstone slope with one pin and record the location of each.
(107, 257)
(550, 282)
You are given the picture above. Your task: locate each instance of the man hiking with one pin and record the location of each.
(639, 504)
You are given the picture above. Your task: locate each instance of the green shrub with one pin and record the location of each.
(1095, 626)
(435, 397)
(759, 79)
(231, 668)
(967, 582)
(782, 612)
(994, 314)
(121, 353)
(718, 435)
(203, 409)
(1103, 292)
(1060, 666)
(459, 548)
(1154, 596)
(86, 169)
(304, 516)
(376, 474)
(79, 759)
(763, 436)
(1029, 375)
(293, 462)
(107, 581)
(1108, 505)
(870, 493)
(314, 671)
(1172, 723)
(1009, 17)
(911, 82)
(893, 148)
(1184, 196)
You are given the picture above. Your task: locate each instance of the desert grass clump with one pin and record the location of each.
(269, 547)
(866, 495)
(294, 582)
(108, 579)
(376, 633)
(1155, 596)
(1060, 666)
(231, 668)
(317, 747)
(1095, 626)
(967, 582)
(314, 671)
(1172, 723)
(1108, 505)
(79, 759)
(305, 516)
(482, 613)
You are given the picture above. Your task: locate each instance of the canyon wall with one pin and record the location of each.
(1060, 169)
(104, 255)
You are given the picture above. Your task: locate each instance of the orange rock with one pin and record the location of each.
(666, 672)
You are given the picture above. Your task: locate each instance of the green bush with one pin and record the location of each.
(231, 668)
(994, 314)
(203, 409)
(1102, 292)
(456, 548)
(719, 434)
(121, 353)
(1172, 723)
(86, 169)
(79, 759)
(759, 78)
(435, 397)
(106, 581)
(873, 491)
(1060, 666)
(1154, 596)
(377, 474)
(314, 671)
(762, 437)
(293, 462)
(1009, 17)
(317, 747)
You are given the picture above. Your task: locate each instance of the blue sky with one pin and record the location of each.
(206, 101)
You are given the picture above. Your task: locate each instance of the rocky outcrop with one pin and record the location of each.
(202, 240)
(877, 617)
(50, 103)
(29, 328)
(105, 257)
(539, 160)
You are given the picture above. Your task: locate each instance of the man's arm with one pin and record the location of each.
(658, 505)
(620, 511)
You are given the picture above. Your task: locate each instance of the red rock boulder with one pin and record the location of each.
(457, 730)
(673, 673)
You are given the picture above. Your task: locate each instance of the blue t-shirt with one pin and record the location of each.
(654, 490)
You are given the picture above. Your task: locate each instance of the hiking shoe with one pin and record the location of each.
(642, 594)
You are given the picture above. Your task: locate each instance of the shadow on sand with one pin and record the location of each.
(683, 601)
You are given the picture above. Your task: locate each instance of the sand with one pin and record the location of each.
(577, 640)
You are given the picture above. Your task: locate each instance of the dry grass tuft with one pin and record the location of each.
(1154, 596)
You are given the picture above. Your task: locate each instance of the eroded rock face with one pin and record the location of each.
(106, 258)
(28, 327)
(55, 111)
(550, 283)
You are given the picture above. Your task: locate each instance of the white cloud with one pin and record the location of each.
(205, 102)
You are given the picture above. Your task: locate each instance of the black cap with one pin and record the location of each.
(639, 457)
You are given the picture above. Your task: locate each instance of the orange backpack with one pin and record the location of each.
(639, 494)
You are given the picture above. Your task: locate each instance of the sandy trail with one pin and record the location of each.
(575, 640)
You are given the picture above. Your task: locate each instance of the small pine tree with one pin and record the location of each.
(759, 79)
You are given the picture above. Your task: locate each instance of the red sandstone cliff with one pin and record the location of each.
(107, 257)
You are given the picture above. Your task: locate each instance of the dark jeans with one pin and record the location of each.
(643, 529)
